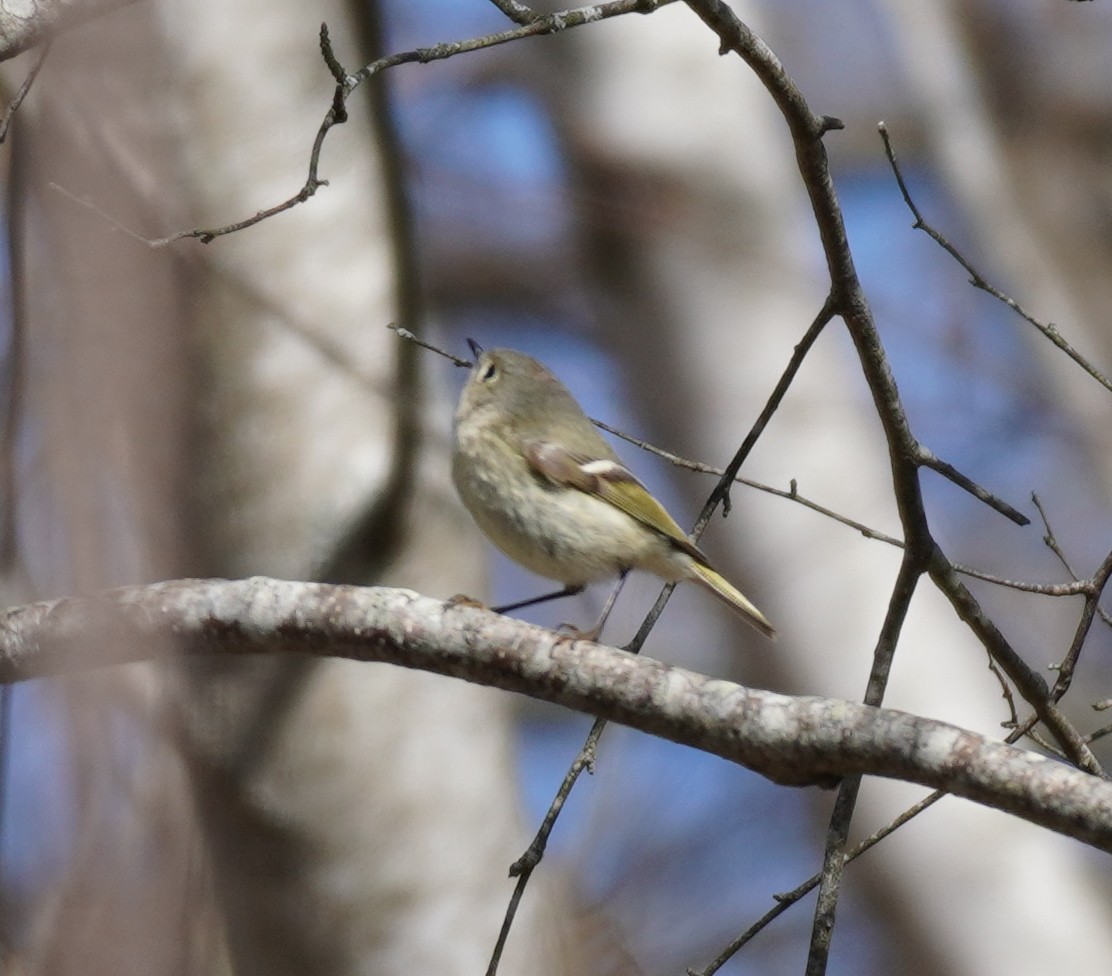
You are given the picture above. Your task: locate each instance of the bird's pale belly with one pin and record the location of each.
(545, 529)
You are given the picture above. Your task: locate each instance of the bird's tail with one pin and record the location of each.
(728, 593)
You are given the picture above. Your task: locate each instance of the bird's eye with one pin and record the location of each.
(489, 372)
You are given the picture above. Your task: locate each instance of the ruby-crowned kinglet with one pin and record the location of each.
(549, 491)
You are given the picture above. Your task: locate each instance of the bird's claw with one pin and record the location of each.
(463, 600)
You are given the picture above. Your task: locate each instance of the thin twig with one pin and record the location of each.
(1092, 599)
(1051, 542)
(20, 95)
(347, 84)
(339, 75)
(1098, 733)
(1012, 721)
(834, 859)
(1049, 538)
(787, 899)
(721, 491)
(1074, 588)
(930, 460)
(976, 279)
(404, 333)
(1031, 685)
(1094, 589)
(524, 866)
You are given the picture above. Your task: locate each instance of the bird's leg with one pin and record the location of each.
(596, 630)
(572, 590)
(569, 590)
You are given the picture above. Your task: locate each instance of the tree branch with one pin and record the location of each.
(347, 84)
(791, 740)
(976, 279)
(25, 25)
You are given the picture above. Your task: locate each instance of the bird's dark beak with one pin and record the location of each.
(476, 349)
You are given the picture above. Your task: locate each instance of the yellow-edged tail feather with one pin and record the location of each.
(732, 596)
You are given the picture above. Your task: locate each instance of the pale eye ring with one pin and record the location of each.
(489, 373)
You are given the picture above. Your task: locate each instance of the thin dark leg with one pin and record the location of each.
(593, 633)
(569, 590)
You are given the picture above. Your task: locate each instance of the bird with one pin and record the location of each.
(550, 492)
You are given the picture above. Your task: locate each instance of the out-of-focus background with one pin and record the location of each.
(621, 202)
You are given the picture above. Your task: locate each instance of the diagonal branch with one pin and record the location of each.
(721, 491)
(929, 459)
(1032, 686)
(976, 279)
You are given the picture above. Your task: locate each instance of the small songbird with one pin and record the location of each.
(549, 491)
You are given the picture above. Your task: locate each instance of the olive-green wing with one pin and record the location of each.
(611, 482)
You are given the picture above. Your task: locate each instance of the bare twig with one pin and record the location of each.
(347, 84)
(40, 60)
(976, 279)
(1094, 589)
(1093, 594)
(1051, 542)
(1031, 686)
(339, 75)
(404, 333)
(787, 899)
(1012, 721)
(1074, 588)
(834, 858)
(523, 867)
(1099, 733)
(930, 460)
(108, 218)
(1049, 538)
(721, 491)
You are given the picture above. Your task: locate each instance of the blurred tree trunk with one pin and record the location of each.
(96, 433)
(232, 409)
(362, 818)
